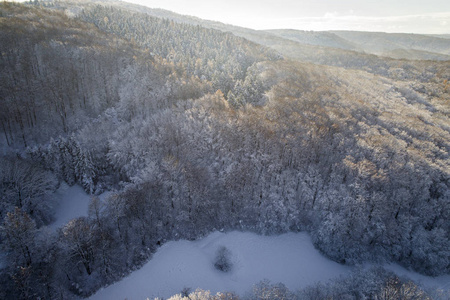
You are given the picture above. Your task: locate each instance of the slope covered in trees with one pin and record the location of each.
(198, 130)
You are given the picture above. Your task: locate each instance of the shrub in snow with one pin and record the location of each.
(223, 259)
(185, 292)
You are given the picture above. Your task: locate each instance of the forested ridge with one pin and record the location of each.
(197, 130)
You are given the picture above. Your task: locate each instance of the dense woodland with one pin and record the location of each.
(196, 130)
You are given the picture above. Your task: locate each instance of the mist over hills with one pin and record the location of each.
(394, 45)
(197, 126)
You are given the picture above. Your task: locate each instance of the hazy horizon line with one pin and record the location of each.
(436, 23)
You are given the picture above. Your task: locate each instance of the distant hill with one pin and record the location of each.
(317, 38)
(443, 36)
(380, 42)
(393, 45)
(344, 44)
(415, 55)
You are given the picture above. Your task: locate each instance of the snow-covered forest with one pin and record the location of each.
(193, 129)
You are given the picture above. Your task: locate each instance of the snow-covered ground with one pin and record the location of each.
(439, 282)
(71, 202)
(289, 258)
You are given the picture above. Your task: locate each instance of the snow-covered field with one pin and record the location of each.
(71, 202)
(289, 258)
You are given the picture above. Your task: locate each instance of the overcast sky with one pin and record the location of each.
(411, 16)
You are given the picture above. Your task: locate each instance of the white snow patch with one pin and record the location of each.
(71, 202)
(289, 258)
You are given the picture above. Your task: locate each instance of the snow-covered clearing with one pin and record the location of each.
(71, 202)
(289, 258)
